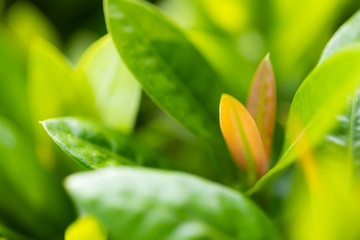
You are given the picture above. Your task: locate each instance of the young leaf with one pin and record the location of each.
(170, 69)
(242, 137)
(261, 103)
(316, 104)
(152, 204)
(117, 93)
(94, 146)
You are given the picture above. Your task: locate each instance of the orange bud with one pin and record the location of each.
(242, 136)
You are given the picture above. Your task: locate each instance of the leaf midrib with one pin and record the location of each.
(249, 158)
(59, 142)
(351, 132)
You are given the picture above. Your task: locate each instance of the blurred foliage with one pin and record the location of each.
(294, 32)
(85, 228)
(46, 72)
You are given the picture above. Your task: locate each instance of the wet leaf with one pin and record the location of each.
(146, 204)
(171, 71)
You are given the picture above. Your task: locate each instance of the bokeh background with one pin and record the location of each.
(233, 35)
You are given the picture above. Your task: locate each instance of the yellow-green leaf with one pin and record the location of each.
(117, 93)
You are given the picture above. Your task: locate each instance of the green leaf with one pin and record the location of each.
(315, 106)
(54, 91)
(50, 81)
(32, 199)
(13, 94)
(94, 145)
(346, 136)
(171, 71)
(348, 34)
(165, 63)
(149, 204)
(117, 93)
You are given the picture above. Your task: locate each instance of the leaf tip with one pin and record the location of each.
(267, 62)
(226, 98)
(267, 57)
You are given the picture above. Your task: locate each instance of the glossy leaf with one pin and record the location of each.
(38, 204)
(316, 104)
(346, 136)
(170, 69)
(117, 93)
(86, 228)
(348, 34)
(137, 204)
(242, 137)
(94, 145)
(91, 145)
(261, 103)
